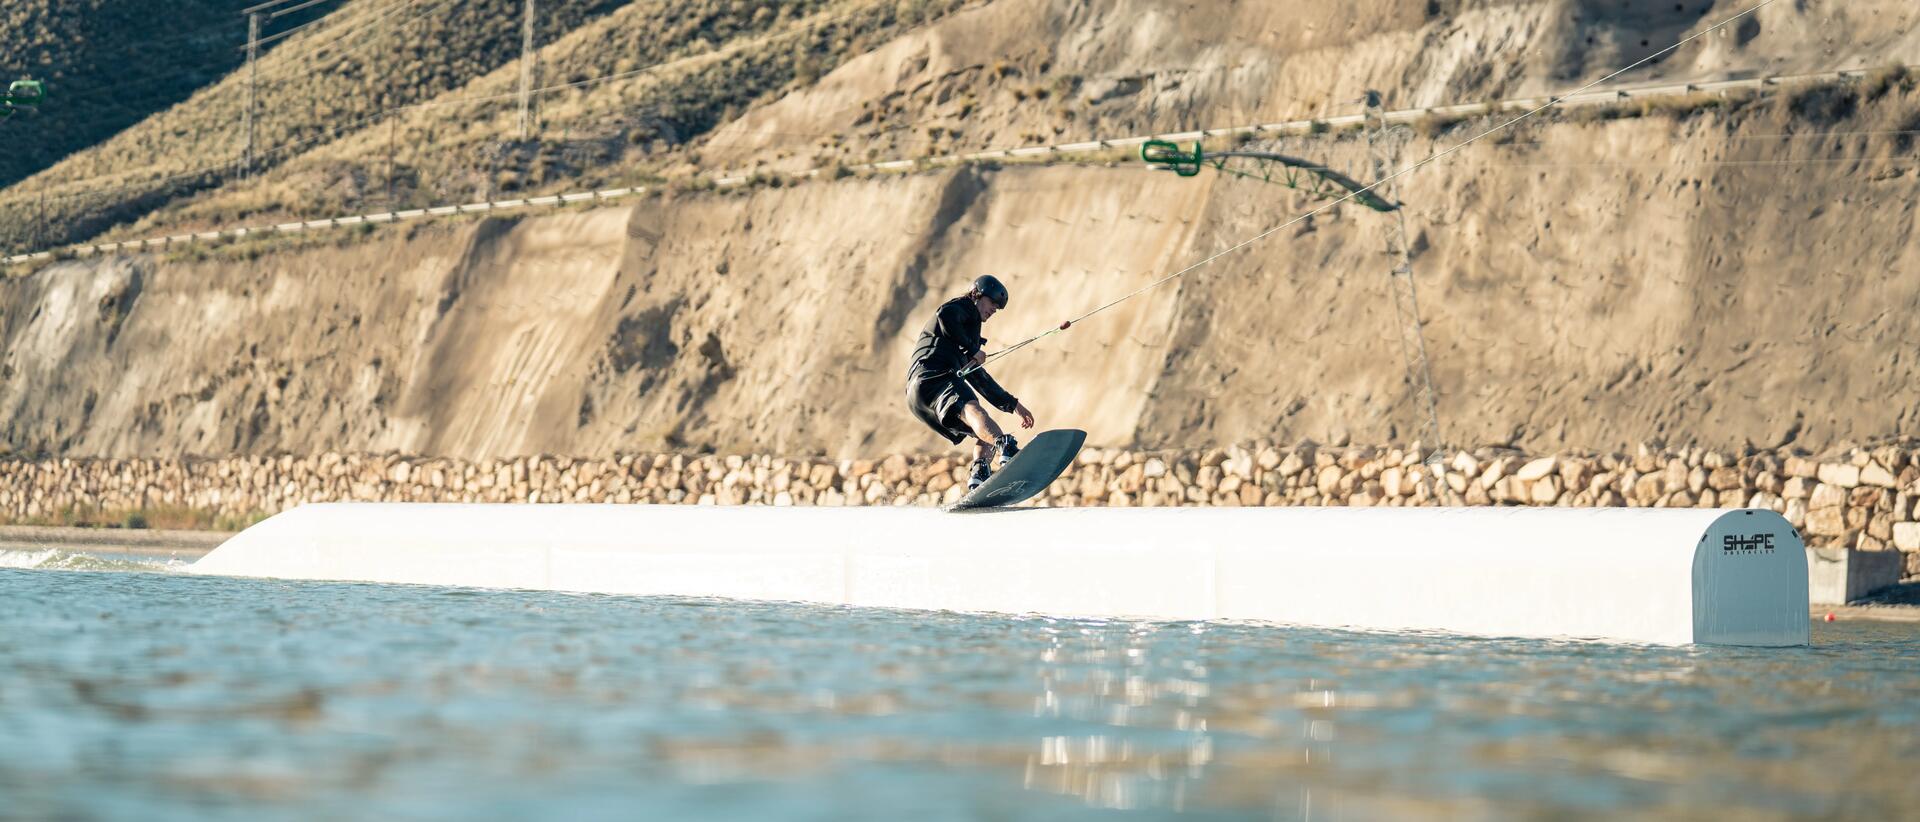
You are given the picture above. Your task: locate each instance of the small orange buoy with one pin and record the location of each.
(1829, 616)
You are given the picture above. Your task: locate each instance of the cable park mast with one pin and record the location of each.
(1382, 143)
(1320, 182)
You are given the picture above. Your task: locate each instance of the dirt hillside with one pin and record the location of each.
(1729, 273)
(1022, 72)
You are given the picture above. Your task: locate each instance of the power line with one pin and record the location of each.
(316, 52)
(221, 66)
(335, 133)
(1894, 162)
(1787, 161)
(262, 7)
(272, 72)
(616, 76)
(286, 11)
(147, 46)
(234, 26)
(664, 65)
(402, 4)
(798, 27)
(808, 26)
(326, 135)
(1884, 161)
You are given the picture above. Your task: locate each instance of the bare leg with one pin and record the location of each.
(984, 434)
(984, 428)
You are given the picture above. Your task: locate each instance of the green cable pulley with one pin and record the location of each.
(1168, 156)
(1295, 173)
(22, 95)
(26, 93)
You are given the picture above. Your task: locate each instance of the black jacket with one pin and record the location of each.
(948, 343)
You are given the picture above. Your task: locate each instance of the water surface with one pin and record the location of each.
(127, 691)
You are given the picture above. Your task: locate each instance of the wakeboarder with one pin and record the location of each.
(948, 370)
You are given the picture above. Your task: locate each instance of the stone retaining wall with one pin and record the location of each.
(1864, 498)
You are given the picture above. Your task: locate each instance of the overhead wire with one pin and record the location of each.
(1554, 101)
(1887, 162)
(281, 35)
(1184, 71)
(811, 25)
(146, 46)
(261, 8)
(279, 70)
(1893, 162)
(316, 52)
(286, 11)
(238, 25)
(163, 179)
(799, 27)
(272, 74)
(337, 131)
(1809, 161)
(899, 127)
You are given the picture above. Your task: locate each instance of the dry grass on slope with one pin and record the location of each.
(640, 88)
(367, 56)
(107, 66)
(680, 67)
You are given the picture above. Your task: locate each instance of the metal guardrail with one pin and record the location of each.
(1284, 128)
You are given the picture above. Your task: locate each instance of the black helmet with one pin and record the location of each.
(989, 287)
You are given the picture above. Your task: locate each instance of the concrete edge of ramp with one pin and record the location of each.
(1667, 576)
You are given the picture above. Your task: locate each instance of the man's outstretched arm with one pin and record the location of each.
(999, 397)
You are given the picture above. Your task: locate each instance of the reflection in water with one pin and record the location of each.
(1083, 678)
(168, 696)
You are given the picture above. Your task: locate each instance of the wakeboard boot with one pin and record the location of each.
(1008, 447)
(982, 469)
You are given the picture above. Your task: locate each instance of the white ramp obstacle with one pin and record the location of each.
(1671, 576)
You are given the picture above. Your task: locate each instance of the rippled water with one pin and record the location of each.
(141, 694)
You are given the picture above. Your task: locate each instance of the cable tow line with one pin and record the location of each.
(1551, 102)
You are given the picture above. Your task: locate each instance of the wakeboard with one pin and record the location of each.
(1030, 471)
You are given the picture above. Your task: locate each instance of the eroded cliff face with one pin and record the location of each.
(1585, 285)
(1734, 274)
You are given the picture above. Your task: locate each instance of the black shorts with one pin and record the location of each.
(937, 402)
